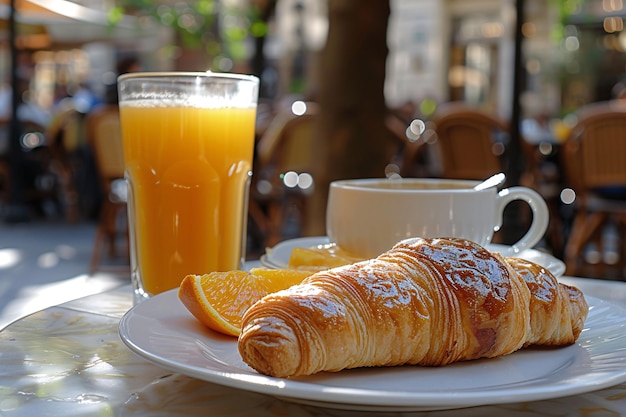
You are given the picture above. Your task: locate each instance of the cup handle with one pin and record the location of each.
(539, 209)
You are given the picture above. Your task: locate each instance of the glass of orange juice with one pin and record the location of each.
(188, 143)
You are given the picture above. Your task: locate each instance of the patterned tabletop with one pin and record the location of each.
(69, 360)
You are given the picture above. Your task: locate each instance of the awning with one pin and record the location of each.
(67, 22)
(42, 11)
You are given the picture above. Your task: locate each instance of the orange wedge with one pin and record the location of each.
(317, 258)
(220, 299)
(279, 279)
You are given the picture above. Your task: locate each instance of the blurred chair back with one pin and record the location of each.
(283, 183)
(107, 146)
(595, 167)
(104, 134)
(596, 147)
(469, 141)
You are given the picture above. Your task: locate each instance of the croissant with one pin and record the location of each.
(426, 302)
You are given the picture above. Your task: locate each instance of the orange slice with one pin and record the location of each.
(280, 279)
(321, 257)
(220, 299)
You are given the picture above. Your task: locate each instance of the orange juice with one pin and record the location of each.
(188, 170)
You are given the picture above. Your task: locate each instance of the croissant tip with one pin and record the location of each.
(260, 349)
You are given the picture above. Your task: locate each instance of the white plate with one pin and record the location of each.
(162, 331)
(278, 256)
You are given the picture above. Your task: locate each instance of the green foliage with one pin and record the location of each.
(115, 15)
(219, 31)
(565, 9)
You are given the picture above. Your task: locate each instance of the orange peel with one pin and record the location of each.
(220, 299)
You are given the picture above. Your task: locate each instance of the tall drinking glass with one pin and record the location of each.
(188, 143)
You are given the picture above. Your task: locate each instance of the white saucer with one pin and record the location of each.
(278, 256)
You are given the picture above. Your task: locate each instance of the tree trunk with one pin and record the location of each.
(353, 139)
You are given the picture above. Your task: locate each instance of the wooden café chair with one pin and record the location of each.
(595, 168)
(469, 141)
(104, 135)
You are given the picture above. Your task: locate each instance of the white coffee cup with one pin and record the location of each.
(366, 217)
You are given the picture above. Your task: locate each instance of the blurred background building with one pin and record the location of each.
(532, 63)
(438, 50)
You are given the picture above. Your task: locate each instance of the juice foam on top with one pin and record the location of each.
(195, 102)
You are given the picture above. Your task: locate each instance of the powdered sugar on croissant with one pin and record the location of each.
(425, 302)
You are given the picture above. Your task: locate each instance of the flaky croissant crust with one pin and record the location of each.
(425, 302)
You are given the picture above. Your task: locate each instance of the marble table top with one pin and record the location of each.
(69, 360)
